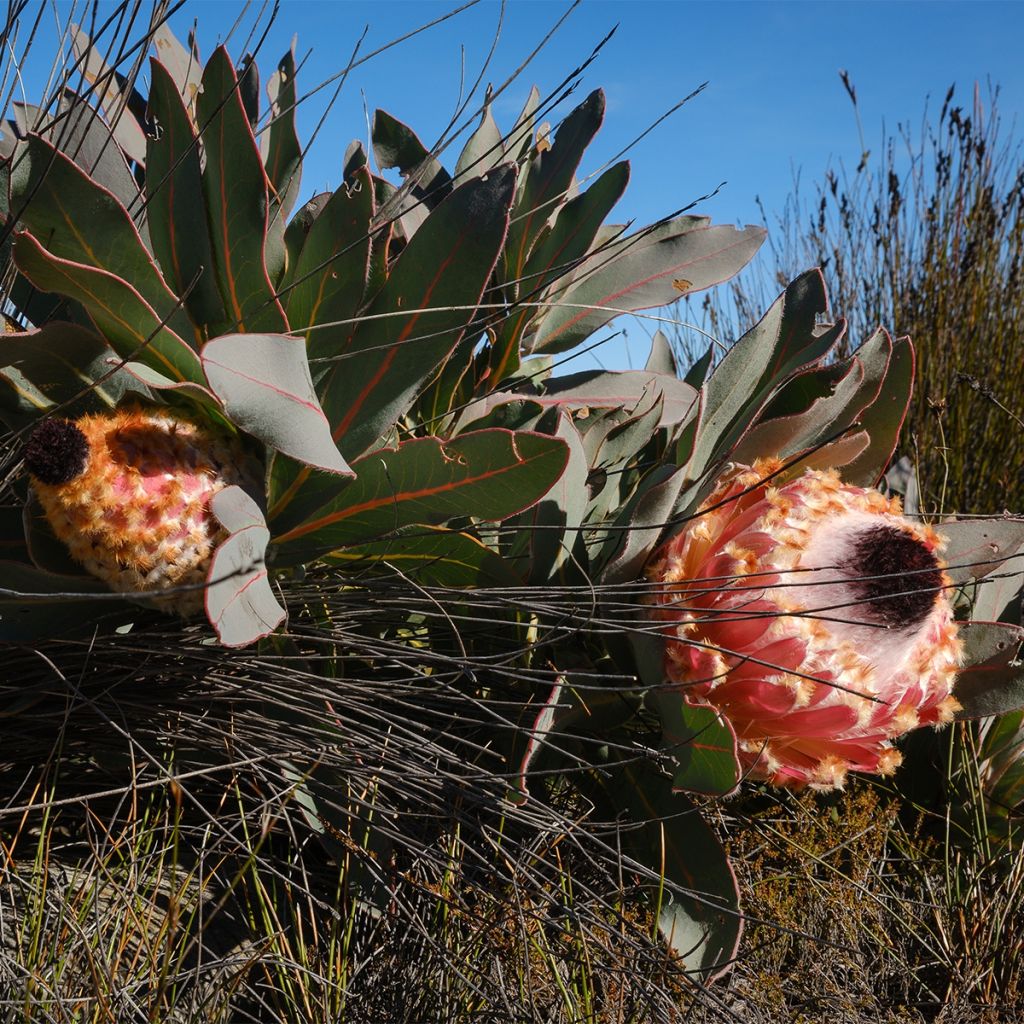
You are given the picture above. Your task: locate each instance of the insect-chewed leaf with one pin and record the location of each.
(428, 301)
(284, 154)
(121, 314)
(992, 681)
(546, 184)
(488, 475)
(643, 276)
(184, 66)
(237, 202)
(691, 883)
(977, 547)
(264, 382)
(240, 603)
(77, 219)
(174, 198)
(397, 145)
(786, 435)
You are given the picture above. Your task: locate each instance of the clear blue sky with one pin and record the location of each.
(774, 102)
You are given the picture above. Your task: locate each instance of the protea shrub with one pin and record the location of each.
(339, 423)
(815, 617)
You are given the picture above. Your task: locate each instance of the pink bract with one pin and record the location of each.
(815, 617)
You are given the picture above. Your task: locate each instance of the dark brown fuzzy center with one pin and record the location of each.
(896, 576)
(56, 452)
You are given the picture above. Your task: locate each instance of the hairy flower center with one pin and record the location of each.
(895, 575)
(56, 452)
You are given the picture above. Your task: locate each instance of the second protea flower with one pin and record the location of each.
(815, 617)
(129, 492)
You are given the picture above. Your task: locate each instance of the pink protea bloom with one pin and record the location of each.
(814, 617)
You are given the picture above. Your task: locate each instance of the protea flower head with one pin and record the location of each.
(815, 617)
(128, 492)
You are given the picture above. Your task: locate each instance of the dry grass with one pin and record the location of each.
(925, 236)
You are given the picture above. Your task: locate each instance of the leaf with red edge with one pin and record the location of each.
(488, 475)
(784, 436)
(295, 235)
(79, 131)
(992, 681)
(569, 714)
(548, 177)
(81, 221)
(429, 299)
(701, 743)
(331, 270)
(264, 382)
(883, 419)
(174, 198)
(149, 381)
(644, 276)
(556, 253)
(237, 201)
(405, 334)
(284, 153)
(786, 339)
(240, 602)
(119, 312)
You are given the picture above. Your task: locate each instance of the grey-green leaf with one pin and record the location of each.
(240, 602)
(265, 385)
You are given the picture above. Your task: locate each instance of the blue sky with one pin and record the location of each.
(774, 103)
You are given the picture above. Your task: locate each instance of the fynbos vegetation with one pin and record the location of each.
(360, 665)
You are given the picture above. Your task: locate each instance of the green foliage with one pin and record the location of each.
(205, 294)
(466, 704)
